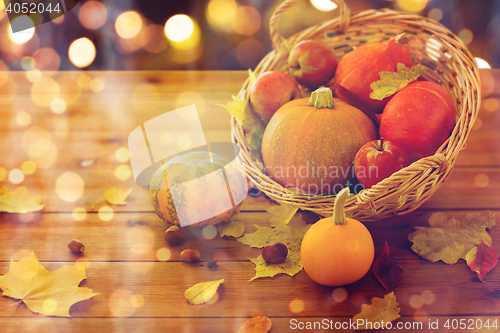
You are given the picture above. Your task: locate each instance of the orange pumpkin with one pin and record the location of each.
(310, 144)
(339, 251)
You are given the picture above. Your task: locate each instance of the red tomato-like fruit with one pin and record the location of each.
(377, 160)
(420, 118)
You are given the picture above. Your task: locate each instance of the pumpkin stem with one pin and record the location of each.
(321, 98)
(338, 207)
(402, 39)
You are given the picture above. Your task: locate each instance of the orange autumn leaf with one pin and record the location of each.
(258, 324)
(481, 259)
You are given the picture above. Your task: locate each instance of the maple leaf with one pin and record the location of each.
(19, 201)
(233, 228)
(202, 292)
(450, 239)
(249, 119)
(291, 266)
(48, 293)
(281, 214)
(392, 82)
(117, 196)
(387, 270)
(381, 311)
(257, 324)
(481, 259)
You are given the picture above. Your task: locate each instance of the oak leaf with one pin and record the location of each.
(257, 324)
(392, 82)
(387, 270)
(19, 200)
(233, 228)
(48, 293)
(291, 266)
(481, 259)
(117, 196)
(381, 311)
(450, 239)
(202, 292)
(281, 214)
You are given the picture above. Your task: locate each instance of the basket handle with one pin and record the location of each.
(345, 18)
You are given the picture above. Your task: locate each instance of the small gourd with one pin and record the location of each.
(338, 252)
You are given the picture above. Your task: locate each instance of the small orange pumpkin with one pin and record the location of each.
(338, 252)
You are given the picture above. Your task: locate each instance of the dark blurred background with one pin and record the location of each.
(209, 34)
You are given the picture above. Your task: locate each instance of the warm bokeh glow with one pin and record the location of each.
(324, 5)
(179, 28)
(93, 15)
(120, 303)
(46, 59)
(412, 5)
(82, 52)
(246, 20)
(23, 118)
(3, 174)
(296, 305)
(123, 172)
(16, 176)
(481, 63)
(481, 180)
(428, 297)
(79, 214)
(209, 232)
(416, 301)
(97, 85)
(34, 75)
(58, 106)
(70, 186)
(44, 92)
(28, 167)
(22, 37)
(466, 36)
(339, 295)
(137, 301)
(153, 39)
(184, 142)
(490, 104)
(128, 24)
(221, 11)
(122, 155)
(163, 254)
(70, 91)
(106, 213)
(84, 81)
(435, 14)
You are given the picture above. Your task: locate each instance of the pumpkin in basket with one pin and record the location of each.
(310, 144)
(216, 180)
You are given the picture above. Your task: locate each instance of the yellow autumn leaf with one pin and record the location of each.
(48, 293)
(392, 82)
(202, 292)
(19, 201)
(252, 76)
(449, 239)
(281, 214)
(291, 266)
(117, 196)
(233, 228)
(378, 314)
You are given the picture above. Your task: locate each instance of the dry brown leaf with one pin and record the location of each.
(19, 201)
(378, 314)
(258, 324)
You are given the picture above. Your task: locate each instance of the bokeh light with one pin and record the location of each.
(246, 20)
(69, 186)
(296, 305)
(163, 254)
(46, 59)
(22, 37)
(466, 36)
(58, 106)
(26, 217)
(23, 118)
(490, 104)
(120, 304)
(106, 213)
(184, 142)
(153, 39)
(250, 52)
(97, 85)
(69, 90)
(128, 24)
(34, 75)
(179, 28)
(84, 81)
(28, 167)
(220, 13)
(416, 301)
(3, 174)
(93, 15)
(122, 155)
(45, 91)
(412, 5)
(82, 52)
(27, 63)
(339, 295)
(428, 297)
(140, 240)
(49, 306)
(209, 232)
(324, 5)
(166, 138)
(79, 214)
(435, 14)
(123, 172)
(16, 176)
(481, 180)
(137, 301)
(481, 63)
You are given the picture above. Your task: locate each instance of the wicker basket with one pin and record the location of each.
(449, 64)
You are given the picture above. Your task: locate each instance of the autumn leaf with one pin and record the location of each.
(381, 311)
(48, 293)
(387, 270)
(258, 324)
(248, 119)
(291, 266)
(19, 201)
(233, 228)
(252, 76)
(117, 196)
(450, 239)
(392, 82)
(281, 214)
(481, 259)
(202, 292)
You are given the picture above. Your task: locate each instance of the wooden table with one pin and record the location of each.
(121, 253)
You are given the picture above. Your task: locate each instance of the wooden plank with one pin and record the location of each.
(456, 289)
(138, 236)
(210, 325)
